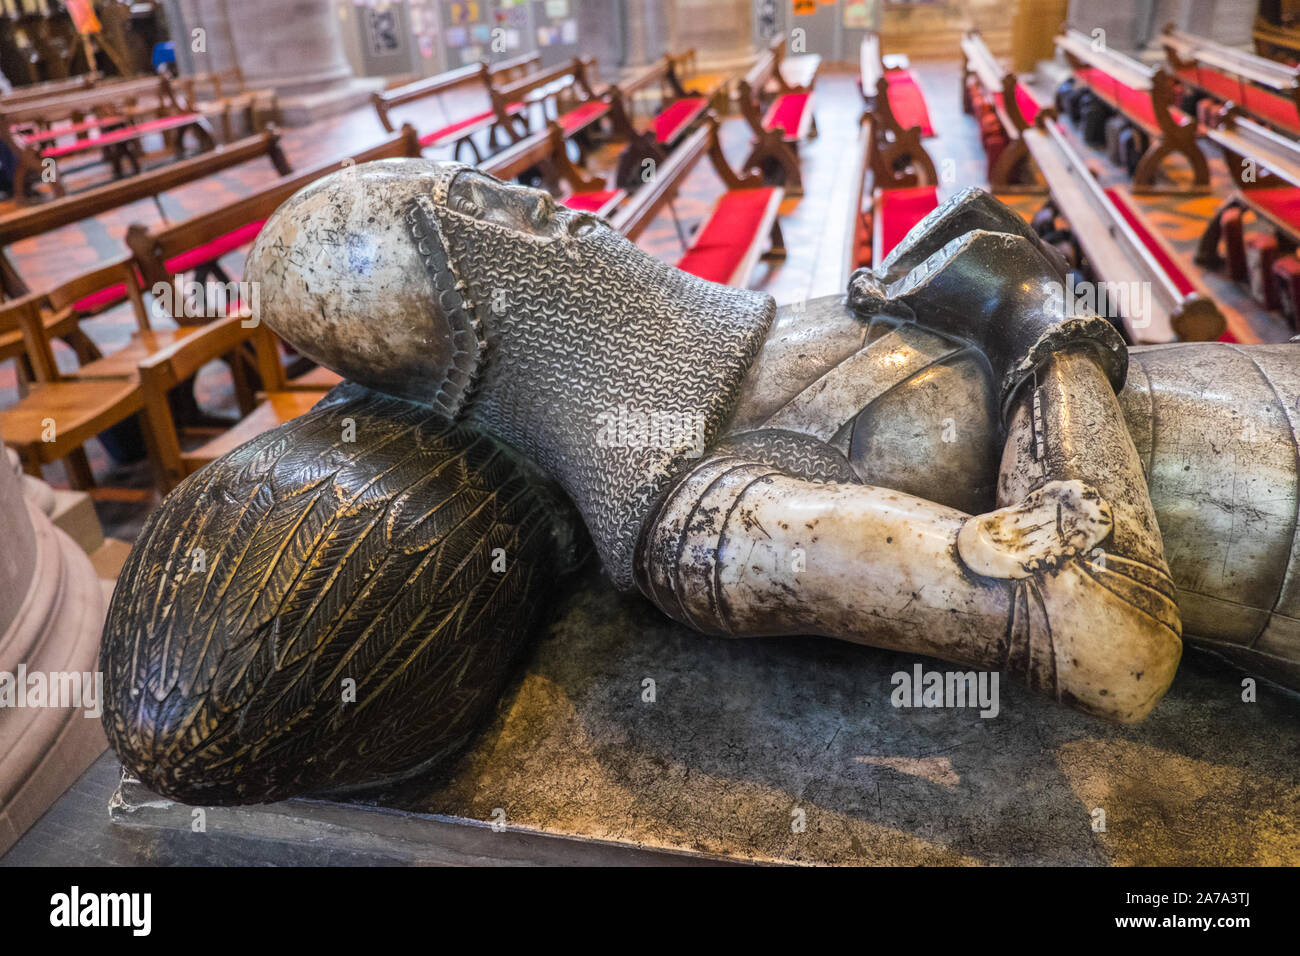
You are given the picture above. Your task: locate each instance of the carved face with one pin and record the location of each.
(517, 208)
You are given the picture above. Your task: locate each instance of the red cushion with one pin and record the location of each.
(478, 119)
(102, 299)
(29, 134)
(786, 114)
(907, 102)
(120, 136)
(211, 251)
(1283, 202)
(720, 246)
(1171, 268)
(1218, 84)
(670, 123)
(1026, 103)
(588, 112)
(900, 210)
(1275, 110)
(594, 201)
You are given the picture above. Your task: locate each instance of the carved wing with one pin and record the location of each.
(335, 604)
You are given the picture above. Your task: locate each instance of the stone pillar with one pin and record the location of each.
(646, 32)
(291, 46)
(52, 610)
(721, 31)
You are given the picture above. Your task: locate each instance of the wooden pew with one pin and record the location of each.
(742, 227)
(195, 245)
(779, 122)
(460, 132)
(1268, 90)
(226, 92)
(632, 218)
(568, 82)
(59, 412)
(1264, 168)
(169, 368)
(1123, 248)
(545, 153)
(895, 187)
(133, 101)
(1145, 96)
(990, 91)
(905, 103)
(40, 91)
(677, 111)
(26, 222)
(800, 71)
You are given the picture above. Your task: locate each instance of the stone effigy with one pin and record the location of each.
(944, 462)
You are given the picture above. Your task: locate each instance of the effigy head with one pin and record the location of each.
(436, 283)
(357, 270)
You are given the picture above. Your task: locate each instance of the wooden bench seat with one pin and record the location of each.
(1145, 96)
(225, 93)
(1264, 169)
(677, 111)
(34, 136)
(779, 115)
(60, 411)
(896, 212)
(1266, 89)
(1121, 247)
(79, 411)
(988, 90)
(196, 244)
(576, 105)
(893, 186)
(544, 153)
(165, 370)
(150, 104)
(122, 134)
(277, 408)
(459, 133)
(28, 221)
(903, 98)
(671, 124)
(742, 226)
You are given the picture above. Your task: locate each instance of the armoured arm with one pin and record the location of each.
(744, 549)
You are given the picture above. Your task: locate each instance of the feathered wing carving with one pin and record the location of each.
(303, 561)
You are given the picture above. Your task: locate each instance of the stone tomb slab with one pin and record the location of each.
(627, 738)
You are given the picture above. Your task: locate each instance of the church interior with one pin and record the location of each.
(785, 147)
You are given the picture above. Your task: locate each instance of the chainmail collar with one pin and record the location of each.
(569, 331)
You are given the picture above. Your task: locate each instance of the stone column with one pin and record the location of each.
(721, 31)
(646, 32)
(51, 613)
(291, 46)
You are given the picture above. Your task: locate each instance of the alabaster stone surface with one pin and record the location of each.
(939, 463)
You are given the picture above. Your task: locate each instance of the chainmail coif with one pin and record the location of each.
(578, 326)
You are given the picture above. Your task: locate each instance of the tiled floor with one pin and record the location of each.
(815, 227)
